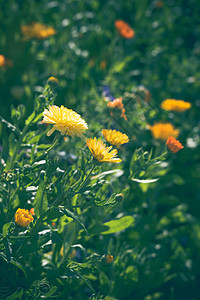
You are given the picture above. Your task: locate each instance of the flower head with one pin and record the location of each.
(117, 103)
(124, 29)
(109, 258)
(102, 153)
(65, 120)
(37, 30)
(5, 62)
(23, 217)
(163, 131)
(52, 80)
(173, 145)
(115, 137)
(175, 105)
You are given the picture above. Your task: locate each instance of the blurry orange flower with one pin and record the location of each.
(175, 105)
(115, 137)
(32, 211)
(37, 30)
(163, 131)
(109, 258)
(5, 62)
(52, 80)
(102, 153)
(173, 145)
(103, 64)
(124, 29)
(117, 103)
(23, 217)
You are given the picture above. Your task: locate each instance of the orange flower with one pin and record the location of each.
(37, 30)
(109, 258)
(124, 29)
(175, 105)
(23, 217)
(32, 211)
(173, 145)
(117, 103)
(5, 62)
(163, 131)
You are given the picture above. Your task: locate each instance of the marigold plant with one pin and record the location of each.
(115, 137)
(102, 153)
(117, 103)
(23, 217)
(175, 105)
(65, 120)
(124, 29)
(163, 131)
(37, 30)
(173, 144)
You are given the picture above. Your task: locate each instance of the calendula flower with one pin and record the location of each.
(102, 153)
(175, 105)
(117, 103)
(124, 29)
(37, 30)
(115, 137)
(163, 131)
(65, 120)
(23, 217)
(32, 211)
(173, 145)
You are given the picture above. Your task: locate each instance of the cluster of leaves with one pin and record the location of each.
(145, 211)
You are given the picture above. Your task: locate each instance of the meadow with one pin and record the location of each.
(100, 150)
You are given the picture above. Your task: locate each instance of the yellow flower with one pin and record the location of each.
(37, 30)
(52, 80)
(115, 137)
(175, 105)
(23, 217)
(65, 120)
(163, 131)
(101, 152)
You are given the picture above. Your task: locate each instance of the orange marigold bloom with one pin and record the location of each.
(173, 144)
(117, 103)
(102, 153)
(32, 211)
(163, 131)
(175, 105)
(37, 30)
(124, 29)
(5, 62)
(23, 217)
(114, 137)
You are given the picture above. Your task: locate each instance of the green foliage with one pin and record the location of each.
(143, 213)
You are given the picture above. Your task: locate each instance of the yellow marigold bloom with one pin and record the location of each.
(175, 105)
(163, 131)
(173, 145)
(65, 120)
(23, 217)
(101, 153)
(115, 137)
(37, 30)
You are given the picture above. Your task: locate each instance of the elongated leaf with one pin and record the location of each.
(41, 202)
(17, 295)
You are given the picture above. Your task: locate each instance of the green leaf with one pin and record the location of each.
(114, 225)
(76, 218)
(41, 202)
(17, 295)
(6, 228)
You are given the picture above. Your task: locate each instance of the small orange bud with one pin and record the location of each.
(173, 145)
(109, 258)
(32, 211)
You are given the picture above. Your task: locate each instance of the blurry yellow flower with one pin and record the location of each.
(52, 80)
(175, 105)
(37, 30)
(100, 152)
(23, 217)
(65, 120)
(115, 137)
(173, 145)
(163, 131)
